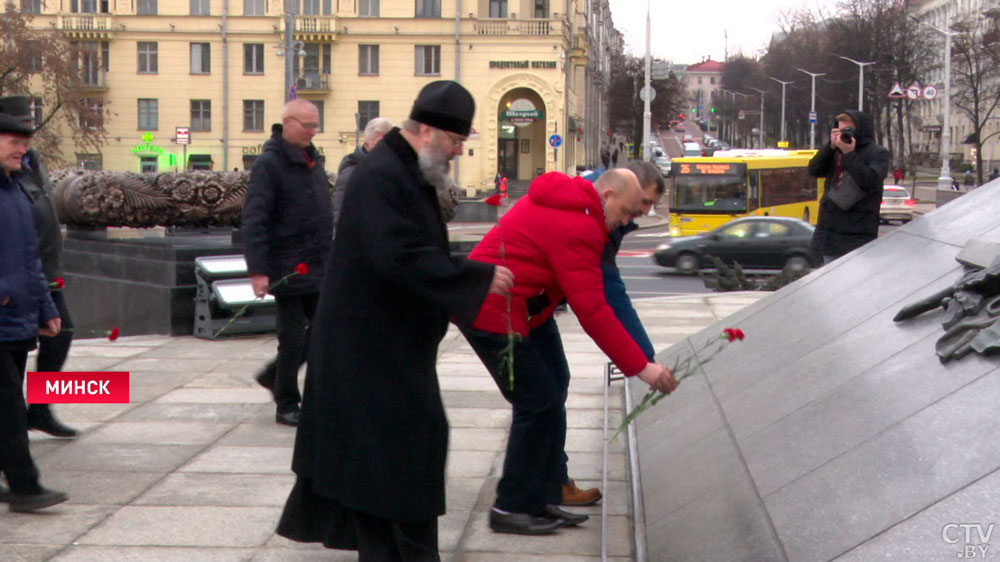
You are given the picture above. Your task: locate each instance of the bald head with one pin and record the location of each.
(619, 188)
(299, 122)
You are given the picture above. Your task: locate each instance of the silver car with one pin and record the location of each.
(897, 205)
(663, 163)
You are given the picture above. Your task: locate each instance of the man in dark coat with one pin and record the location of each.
(288, 220)
(374, 131)
(52, 351)
(371, 445)
(25, 305)
(854, 172)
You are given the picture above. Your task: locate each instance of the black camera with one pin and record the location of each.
(848, 134)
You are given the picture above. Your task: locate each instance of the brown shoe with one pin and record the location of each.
(571, 495)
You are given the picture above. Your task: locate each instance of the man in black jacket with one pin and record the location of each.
(374, 131)
(52, 351)
(855, 167)
(288, 220)
(371, 446)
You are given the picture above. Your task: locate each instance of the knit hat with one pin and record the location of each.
(446, 105)
(17, 107)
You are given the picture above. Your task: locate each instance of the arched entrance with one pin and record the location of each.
(521, 134)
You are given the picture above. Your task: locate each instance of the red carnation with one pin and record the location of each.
(113, 334)
(302, 268)
(59, 283)
(739, 333)
(493, 200)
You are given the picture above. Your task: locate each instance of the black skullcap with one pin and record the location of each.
(16, 106)
(12, 125)
(446, 105)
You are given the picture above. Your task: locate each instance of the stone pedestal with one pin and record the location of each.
(143, 285)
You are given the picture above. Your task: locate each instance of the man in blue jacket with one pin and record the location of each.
(25, 305)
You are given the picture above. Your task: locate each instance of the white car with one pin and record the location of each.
(897, 205)
(663, 163)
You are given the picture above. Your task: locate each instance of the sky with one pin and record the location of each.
(687, 31)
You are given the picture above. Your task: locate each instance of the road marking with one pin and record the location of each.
(635, 253)
(663, 234)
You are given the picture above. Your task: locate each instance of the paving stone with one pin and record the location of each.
(62, 524)
(250, 460)
(126, 457)
(29, 552)
(479, 417)
(157, 364)
(155, 411)
(476, 439)
(300, 555)
(233, 490)
(217, 396)
(81, 553)
(479, 383)
(567, 542)
(470, 463)
(260, 433)
(185, 526)
(99, 486)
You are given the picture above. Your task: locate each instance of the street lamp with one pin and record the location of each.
(761, 132)
(647, 98)
(783, 84)
(861, 81)
(812, 108)
(944, 180)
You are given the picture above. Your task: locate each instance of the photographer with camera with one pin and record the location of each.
(855, 167)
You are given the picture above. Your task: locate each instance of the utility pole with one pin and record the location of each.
(861, 81)
(812, 108)
(944, 179)
(291, 9)
(783, 84)
(761, 132)
(647, 113)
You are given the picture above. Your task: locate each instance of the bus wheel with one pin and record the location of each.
(797, 263)
(687, 263)
(805, 214)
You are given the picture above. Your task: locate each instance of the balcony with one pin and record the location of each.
(86, 25)
(312, 82)
(529, 27)
(314, 28)
(94, 80)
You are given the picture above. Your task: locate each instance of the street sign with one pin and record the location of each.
(897, 91)
(914, 91)
(555, 141)
(647, 92)
(742, 115)
(812, 116)
(183, 135)
(930, 92)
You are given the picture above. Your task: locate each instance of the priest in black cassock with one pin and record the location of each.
(373, 437)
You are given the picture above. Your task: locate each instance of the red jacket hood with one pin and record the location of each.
(559, 191)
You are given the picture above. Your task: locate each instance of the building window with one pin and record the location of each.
(201, 115)
(320, 109)
(35, 105)
(200, 7)
(253, 115)
(316, 7)
(368, 60)
(201, 58)
(34, 63)
(309, 70)
(428, 60)
(541, 8)
(253, 58)
(253, 7)
(147, 164)
(699, 79)
(92, 61)
(88, 6)
(428, 9)
(145, 7)
(712, 80)
(148, 115)
(85, 161)
(31, 6)
(147, 53)
(91, 113)
(367, 110)
(368, 9)
(498, 8)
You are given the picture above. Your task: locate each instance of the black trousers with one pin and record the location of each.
(52, 352)
(295, 314)
(15, 456)
(534, 468)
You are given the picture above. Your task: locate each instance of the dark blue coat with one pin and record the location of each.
(22, 285)
(614, 290)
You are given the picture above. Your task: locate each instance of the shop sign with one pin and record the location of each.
(550, 64)
(147, 146)
(521, 113)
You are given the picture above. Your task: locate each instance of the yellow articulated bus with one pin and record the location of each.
(712, 190)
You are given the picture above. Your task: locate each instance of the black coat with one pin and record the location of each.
(36, 183)
(837, 231)
(373, 436)
(287, 216)
(347, 165)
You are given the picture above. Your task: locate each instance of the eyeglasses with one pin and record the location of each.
(456, 140)
(310, 125)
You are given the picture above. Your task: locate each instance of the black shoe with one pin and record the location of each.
(522, 523)
(568, 519)
(290, 417)
(41, 499)
(265, 378)
(49, 424)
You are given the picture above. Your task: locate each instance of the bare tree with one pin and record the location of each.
(45, 66)
(975, 67)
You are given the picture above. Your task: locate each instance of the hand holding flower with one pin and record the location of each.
(503, 280)
(658, 377)
(260, 284)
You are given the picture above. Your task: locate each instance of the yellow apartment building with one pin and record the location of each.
(215, 70)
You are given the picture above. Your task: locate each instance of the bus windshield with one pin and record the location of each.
(709, 194)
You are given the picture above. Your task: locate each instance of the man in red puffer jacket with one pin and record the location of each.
(552, 241)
